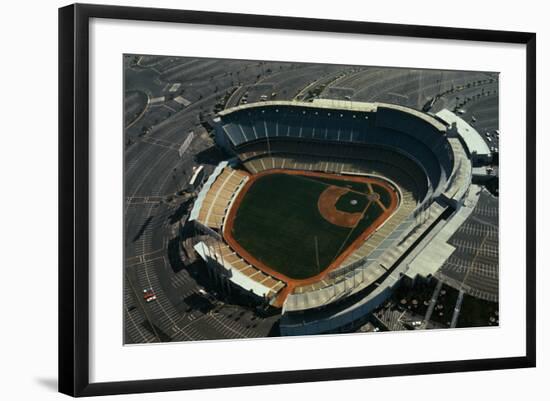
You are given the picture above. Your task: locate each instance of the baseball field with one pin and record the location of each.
(296, 226)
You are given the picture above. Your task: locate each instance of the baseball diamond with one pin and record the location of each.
(290, 224)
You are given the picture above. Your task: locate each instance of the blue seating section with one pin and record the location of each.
(386, 128)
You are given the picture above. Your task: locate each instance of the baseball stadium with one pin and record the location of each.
(323, 208)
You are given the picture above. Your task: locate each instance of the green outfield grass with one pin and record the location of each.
(278, 222)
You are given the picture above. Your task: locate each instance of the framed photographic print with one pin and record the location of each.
(250, 199)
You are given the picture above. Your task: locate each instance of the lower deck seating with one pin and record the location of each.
(230, 260)
(218, 198)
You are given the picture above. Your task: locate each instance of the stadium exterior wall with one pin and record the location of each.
(338, 322)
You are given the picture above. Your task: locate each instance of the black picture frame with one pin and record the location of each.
(74, 198)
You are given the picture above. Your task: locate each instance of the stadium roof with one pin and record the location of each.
(194, 215)
(474, 141)
(366, 107)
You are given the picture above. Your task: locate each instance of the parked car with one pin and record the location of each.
(149, 295)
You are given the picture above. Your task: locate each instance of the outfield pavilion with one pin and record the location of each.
(428, 158)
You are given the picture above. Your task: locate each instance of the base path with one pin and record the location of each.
(327, 207)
